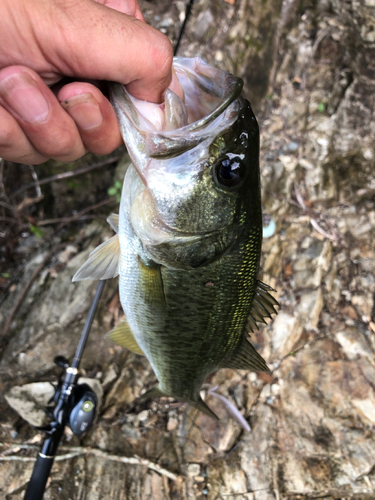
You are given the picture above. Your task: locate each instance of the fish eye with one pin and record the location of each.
(229, 173)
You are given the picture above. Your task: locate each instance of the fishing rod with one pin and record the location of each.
(75, 404)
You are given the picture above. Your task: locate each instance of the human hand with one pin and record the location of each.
(44, 40)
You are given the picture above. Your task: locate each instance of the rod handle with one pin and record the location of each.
(38, 481)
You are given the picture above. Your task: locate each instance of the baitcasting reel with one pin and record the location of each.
(81, 405)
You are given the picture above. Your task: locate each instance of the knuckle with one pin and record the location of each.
(162, 56)
(32, 159)
(7, 137)
(61, 145)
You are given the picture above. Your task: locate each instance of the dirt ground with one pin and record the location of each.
(309, 72)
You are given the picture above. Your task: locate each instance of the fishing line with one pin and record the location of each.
(187, 15)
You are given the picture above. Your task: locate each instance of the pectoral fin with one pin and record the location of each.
(152, 284)
(113, 222)
(103, 263)
(122, 335)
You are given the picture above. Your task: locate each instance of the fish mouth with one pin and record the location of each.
(210, 90)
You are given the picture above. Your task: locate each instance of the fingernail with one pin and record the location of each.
(24, 98)
(84, 110)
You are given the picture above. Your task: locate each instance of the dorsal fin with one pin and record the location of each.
(103, 263)
(113, 222)
(122, 335)
(247, 358)
(262, 306)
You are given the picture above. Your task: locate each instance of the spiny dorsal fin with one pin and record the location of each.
(113, 222)
(262, 306)
(152, 284)
(103, 263)
(122, 335)
(247, 358)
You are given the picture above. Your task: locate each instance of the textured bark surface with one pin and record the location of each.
(309, 71)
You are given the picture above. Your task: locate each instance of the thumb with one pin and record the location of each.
(96, 42)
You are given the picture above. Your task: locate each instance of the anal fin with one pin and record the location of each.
(122, 335)
(247, 358)
(204, 408)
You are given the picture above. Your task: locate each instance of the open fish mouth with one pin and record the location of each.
(176, 207)
(168, 129)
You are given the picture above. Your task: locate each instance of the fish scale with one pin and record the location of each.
(189, 233)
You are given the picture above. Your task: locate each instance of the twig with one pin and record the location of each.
(67, 175)
(80, 450)
(36, 181)
(26, 288)
(9, 207)
(299, 198)
(320, 230)
(336, 493)
(231, 409)
(26, 202)
(79, 214)
(47, 222)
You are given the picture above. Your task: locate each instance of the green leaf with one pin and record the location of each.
(321, 107)
(73, 184)
(118, 185)
(112, 191)
(5, 275)
(36, 231)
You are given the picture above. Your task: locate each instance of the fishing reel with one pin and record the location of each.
(80, 400)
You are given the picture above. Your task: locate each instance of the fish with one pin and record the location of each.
(189, 232)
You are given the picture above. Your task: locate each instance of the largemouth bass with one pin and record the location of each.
(189, 232)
